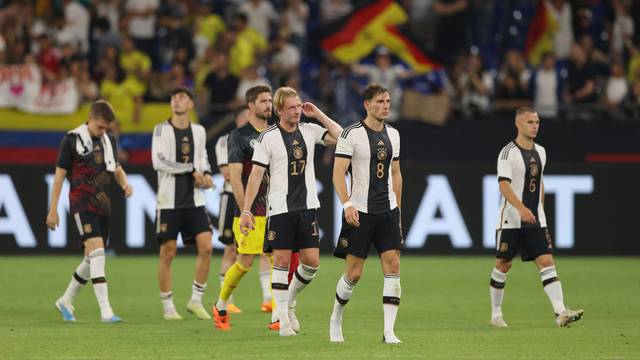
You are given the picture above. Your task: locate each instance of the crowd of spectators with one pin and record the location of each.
(134, 51)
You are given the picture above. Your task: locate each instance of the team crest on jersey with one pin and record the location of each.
(271, 235)
(533, 167)
(382, 154)
(253, 143)
(87, 228)
(504, 247)
(298, 153)
(228, 233)
(343, 242)
(185, 147)
(97, 155)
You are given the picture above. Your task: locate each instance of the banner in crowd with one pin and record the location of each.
(446, 209)
(22, 88)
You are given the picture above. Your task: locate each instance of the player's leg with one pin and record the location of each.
(507, 246)
(391, 293)
(228, 258)
(203, 261)
(168, 250)
(538, 247)
(168, 225)
(64, 304)
(94, 248)
(264, 275)
(280, 288)
(344, 289)
(308, 243)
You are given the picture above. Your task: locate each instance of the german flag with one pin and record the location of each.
(377, 23)
(540, 34)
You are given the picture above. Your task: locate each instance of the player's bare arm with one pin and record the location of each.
(235, 178)
(52, 216)
(507, 191)
(121, 179)
(224, 170)
(253, 185)
(312, 111)
(340, 167)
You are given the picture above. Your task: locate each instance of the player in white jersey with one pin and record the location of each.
(286, 149)
(522, 223)
(180, 158)
(370, 151)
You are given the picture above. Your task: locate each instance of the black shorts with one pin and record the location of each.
(292, 231)
(188, 222)
(532, 242)
(225, 218)
(91, 225)
(381, 230)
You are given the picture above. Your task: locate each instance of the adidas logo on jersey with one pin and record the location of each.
(185, 139)
(380, 143)
(295, 142)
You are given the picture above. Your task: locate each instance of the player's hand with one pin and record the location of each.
(52, 219)
(198, 179)
(352, 216)
(128, 190)
(527, 216)
(310, 110)
(246, 222)
(207, 182)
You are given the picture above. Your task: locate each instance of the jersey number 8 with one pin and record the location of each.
(380, 170)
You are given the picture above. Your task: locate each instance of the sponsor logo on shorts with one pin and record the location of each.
(504, 247)
(164, 227)
(271, 235)
(547, 236)
(343, 242)
(228, 233)
(87, 228)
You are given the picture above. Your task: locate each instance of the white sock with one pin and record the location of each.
(96, 265)
(166, 298)
(265, 285)
(280, 287)
(344, 290)
(302, 277)
(553, 288)
(391, 292)
(197, 290)
(77, 282)
(230, 301)
(496, 292)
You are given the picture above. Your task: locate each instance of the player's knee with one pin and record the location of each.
(503, 265)
(545, 261)
(167, 257)
(205, 250)
(354, 274)
(314, 263)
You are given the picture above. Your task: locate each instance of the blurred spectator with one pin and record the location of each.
(76, 20)
(220, 88)
(617, 88)
(546, 87)
(141, 21)
(633, 70)
(513, 81)
(342, 92)
(563, 37)
(123, 155)
(260, 14)
(598, 60)
(173, 78)
(207, 27)
(285, 60)
(109, 10)
(451, 32)
(87, 88)
(103, 36)
(124, 93)
(386, 73)
(135, 64)
(48, 58)
(623, 27)
(294, 22)
(581, 81)
(251, 76)
(331, 10)
(174, 37)
(258, 41)
(476, 86)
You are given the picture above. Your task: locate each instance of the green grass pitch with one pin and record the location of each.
(444, 313)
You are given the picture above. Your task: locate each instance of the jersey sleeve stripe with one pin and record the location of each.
(259, 164)
(324, 135)
(261, 136)
(346, 131)
(501, 178)
(343, 156)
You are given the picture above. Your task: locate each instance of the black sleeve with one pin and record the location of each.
(235, 148)
(65, 154)
(114, 146)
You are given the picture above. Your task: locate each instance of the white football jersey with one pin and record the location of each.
(289, 160)
(524, 169)
(371, 153)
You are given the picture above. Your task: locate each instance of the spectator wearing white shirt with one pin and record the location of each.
(617, 88)
(545, 85)
(141, 20)
(260, 14)
(285, 60)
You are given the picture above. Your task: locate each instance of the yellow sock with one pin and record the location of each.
(231, 279)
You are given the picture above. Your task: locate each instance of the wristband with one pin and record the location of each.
(346, 205)
(246, 212)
